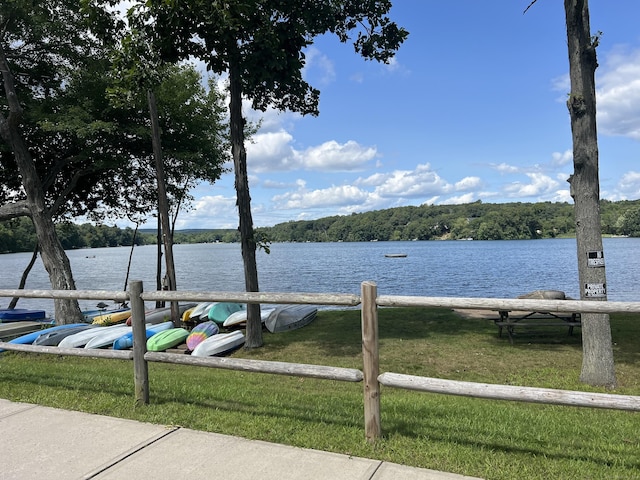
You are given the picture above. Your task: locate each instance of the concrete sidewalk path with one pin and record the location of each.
(47, 444)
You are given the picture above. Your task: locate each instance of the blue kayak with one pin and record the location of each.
(126, 341)
(29, 338)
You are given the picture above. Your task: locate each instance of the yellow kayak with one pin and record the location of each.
(187, 314)
(111, 318)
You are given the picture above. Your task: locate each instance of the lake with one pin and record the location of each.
(500, 269)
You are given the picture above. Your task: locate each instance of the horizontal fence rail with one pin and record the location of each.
(260, 366)
(510, 304)
(510, 392)
(369, 301)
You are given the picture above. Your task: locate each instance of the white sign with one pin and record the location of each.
(595, 259)
(595, 290)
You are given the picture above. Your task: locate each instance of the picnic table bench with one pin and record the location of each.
(535, 319)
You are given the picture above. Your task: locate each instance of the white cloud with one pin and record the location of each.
(559, 159)
(459, 200)
(210, 211)
(326, 197)
(319, 66)
(468, 183)
(419, 182)
(505, 168)
(273, 151)
(618, 94)
(336, 157)
(629, 185)
(540, 184)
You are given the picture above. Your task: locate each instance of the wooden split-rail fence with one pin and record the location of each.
(370, 375)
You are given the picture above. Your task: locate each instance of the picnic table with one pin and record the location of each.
(510, 321)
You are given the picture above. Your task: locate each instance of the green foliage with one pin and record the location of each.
(479, 221)
(265, 40)
(18, 235)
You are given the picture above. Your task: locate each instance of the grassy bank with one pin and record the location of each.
(490, 439)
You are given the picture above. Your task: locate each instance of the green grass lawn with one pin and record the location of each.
(484, 438)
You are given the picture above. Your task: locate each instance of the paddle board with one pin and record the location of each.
(219, 344)
(126, 340)
(167, 339)
(200, 333)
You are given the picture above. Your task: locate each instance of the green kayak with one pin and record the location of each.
(167, 339)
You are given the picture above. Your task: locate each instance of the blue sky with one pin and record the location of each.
(472, 108)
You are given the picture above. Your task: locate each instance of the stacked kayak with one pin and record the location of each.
(126, 340)
(167, 339)
(200, 333)
(219, 344)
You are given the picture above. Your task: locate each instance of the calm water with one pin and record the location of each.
(502, 269)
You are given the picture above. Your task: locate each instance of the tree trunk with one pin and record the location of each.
(247, 240)
(54, 258)
(163, 204)
(597, 361)
(25, 275)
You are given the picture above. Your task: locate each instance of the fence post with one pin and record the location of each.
(371, 361)
(140, 367)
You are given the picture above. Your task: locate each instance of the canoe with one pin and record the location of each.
(21, 314)
(112, 318)
(126, 340)
(162, 314)
(167, 339)
(221, 311)
(201, 332)
(290, 317)
(53, 338)
(80, 339)
(107, 337)
(395, 255)
(240, 317)
(219, 344)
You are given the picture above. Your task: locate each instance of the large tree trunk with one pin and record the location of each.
(597, 361)
(163, 204)
(54, 257)
(247, 240)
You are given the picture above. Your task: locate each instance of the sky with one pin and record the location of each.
(472, 107)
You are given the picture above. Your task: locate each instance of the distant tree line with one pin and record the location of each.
(479, 221)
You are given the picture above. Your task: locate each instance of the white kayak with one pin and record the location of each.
(240, 317)
(106, 338)
(219, 344)
(80, 339)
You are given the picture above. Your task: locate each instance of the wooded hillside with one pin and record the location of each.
(479, 221)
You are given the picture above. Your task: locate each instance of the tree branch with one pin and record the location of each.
(530, 5)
